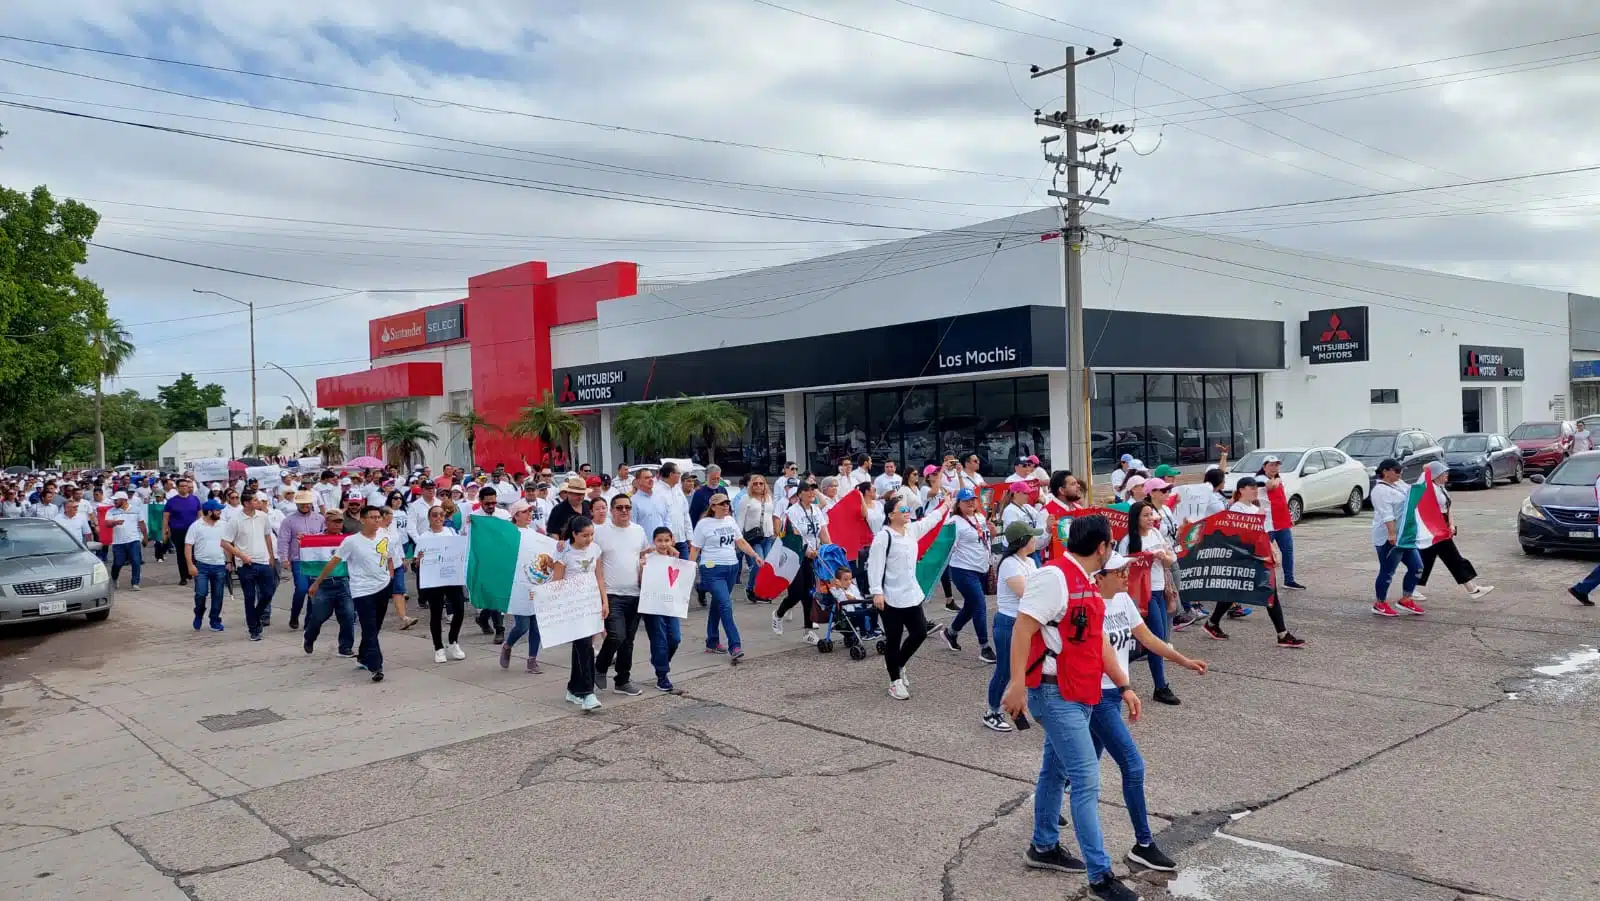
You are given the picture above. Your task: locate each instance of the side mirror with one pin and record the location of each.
(1536, 479)
(1311, 470)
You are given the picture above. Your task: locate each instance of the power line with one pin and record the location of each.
(270, 278)
(897, 39)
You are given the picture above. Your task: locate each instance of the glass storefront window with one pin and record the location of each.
(1033, 418)
(1161, 416)
(1174, 419)
(1245, 436)
(776, 439)
(851, 424)
(919, 420)
(996, 430)
(883, 427)
(957, 420)
(1102, 427)
(1191, 397)
(820, 428)
(1219, 417)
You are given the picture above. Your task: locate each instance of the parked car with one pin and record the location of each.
(47, 574)
(1561, 513)
(1314, 478)
(1480, 458)
(1414, 448)
(1544, 443)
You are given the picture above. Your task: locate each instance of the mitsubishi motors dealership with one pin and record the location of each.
(955, 341)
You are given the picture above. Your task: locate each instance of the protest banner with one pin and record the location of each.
(268, 478)
(1117, 516)
(441, 560)
(665, 586)
(568, 609)
(1227, 558)
(208, 469)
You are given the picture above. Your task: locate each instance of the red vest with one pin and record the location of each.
(1279, 502)
(1080, 665)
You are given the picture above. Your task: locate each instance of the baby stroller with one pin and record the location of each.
(855, 621)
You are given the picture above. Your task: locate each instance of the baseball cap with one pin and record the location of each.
(345, 481)
(520, 506)
(212, 505)
(1166, 472)
(1271, 458)
(718, 498)
(1247, 482)
(1134, 482)
(964, 494)
(930, 469)
(120, 496)
(1157, 485)
(425, 483)
(1018, 486)
(1126, 458)
(593, 482)
(1019, 531)
(1115, 562)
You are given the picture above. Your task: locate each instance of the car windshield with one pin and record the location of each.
(1536, 430)
(1367, 445)
(1576, 471)
(1464, 444)
(1252, 461)
(31, 539)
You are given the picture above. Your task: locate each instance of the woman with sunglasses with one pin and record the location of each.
(755, 524)
(969, 566)
(715, 544)
(896, 592)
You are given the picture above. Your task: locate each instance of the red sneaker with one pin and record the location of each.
(1411, 606)
(1382, 608)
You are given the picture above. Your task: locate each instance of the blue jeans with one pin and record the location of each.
(1003, 624)
(974, 606)
(1110, 734)
(520, 626)
(719, 579)
(332, 599)
(301, 583)
(1284, 539)
(666, 633)
(1157, 621)
(1590, 582)
(1390, 557)
(128, 553)
(369, 614)
(761, 548)
(209, 580)
(257, 582)
(1069, 755)
(397, 583)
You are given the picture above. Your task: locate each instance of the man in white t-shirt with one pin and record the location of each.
(76, 521)
(128, 533)
(888, 483)
(249, 542)
(622, 542)
(370, 567)
(202, 549)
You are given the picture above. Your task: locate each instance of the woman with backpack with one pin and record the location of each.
(896, 592)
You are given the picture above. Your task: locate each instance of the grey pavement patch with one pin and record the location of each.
(94, 865)
(244, 719)
(273, 879)
(209, 836)
(1224, 869)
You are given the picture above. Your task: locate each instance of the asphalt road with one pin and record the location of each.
(1440, 757)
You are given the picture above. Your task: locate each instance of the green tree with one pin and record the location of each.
(544, 420)
(327, 443)
(403, 440)
(468, 422)
(186, 401)
(293, 418)
(112, 347)
(712, 421)
(133, 427)
(649, 430)
(327, 422)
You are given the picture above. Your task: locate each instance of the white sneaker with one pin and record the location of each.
(438, 656)
(134, 588)
(1478, 592)
(574, 699)
(905, 677)
(777, 625)
(1418, 596)
(590, 702)
(812, 637)
(898, 690)
(456, 653)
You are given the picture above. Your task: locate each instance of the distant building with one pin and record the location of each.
(196, 445)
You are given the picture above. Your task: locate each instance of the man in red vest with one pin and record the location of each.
(1279, 522)
(1059, 651)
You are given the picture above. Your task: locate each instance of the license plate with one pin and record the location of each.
(1585, 534)
(48, 607)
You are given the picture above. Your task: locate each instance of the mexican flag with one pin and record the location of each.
(316, 551)
(1424, 524)
(492, 551)
(780, 567)
(933, 553)
(154, 513)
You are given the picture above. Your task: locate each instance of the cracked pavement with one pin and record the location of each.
(1407, 759)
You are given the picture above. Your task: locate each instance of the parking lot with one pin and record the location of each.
(1440, 757)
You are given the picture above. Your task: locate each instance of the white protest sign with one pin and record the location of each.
(536, 562)
(569, 609)
(441, 559)
(268, 478)
(665, 586)
(309, 462)
(208, 469)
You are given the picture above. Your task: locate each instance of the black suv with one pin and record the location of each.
(1414, 448)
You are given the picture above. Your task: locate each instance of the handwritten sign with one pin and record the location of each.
(665, 586)
(268, 478)
(568, 610)
(441, 560)
(536, 563)
(208, 469)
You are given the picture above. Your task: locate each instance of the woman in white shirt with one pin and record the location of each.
(755, 524)
(969, 567)
(1149, 538)
(1245, 495)
(1019, 508)
(806, 519)
(441, 598)
(896, 592)
(716, 543)
(1018, 562)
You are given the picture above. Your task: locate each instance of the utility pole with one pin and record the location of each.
(1074, 198)
(255, 422)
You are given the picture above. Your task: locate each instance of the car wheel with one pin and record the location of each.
(1352, 504)
(1297, 509)
(98, 616)
(1488, 477)
(1516, 474)
(1532, 551)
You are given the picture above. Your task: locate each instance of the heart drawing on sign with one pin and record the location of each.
(672, 576)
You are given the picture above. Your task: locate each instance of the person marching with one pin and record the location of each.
(805, 519)
(1390, 498)
(371, 572)
(440, 598)
(716, 543)
(756, 516)
(1279, 521)
(622, 547)
(896, 592)
(1245, 495)
(522, 516)
(1148, 538)
(582, 556)
(1445, 551)
(1016, 564)
(969, 566)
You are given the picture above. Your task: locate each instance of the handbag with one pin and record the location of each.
(751, 536)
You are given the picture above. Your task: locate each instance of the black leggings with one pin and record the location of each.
(904, 628)
(1274, 612)
(1461, 568)
(436, 600)
(800, 593)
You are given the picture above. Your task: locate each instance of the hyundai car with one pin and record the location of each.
(45, 573)
(1481, 459)
(1561, 513)
(1544, 444)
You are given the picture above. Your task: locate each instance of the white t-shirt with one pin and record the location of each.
(972, 544)
(620, 547)
(1118, 476)
(1581, 441)
(807, 523)
(367, 560)
(715, 538)
(1122, 617)
(1388, 505)
(857, 477)
(125, 525)
(1005, 600)
(961, 479)
(207, 542)
(248, 534)
(582, 560)
(231, 512)
(1242, 507)
(886, 483)
(78, 524)
(1153, 540)
(1027, 513)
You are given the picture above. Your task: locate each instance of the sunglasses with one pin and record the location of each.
(902, 509)
(623, 507)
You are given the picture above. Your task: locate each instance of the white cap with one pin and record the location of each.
(1271, 458)
(1136, 464)
(1134, 482)
(120, 496)
(345, 481)
(1115, 562)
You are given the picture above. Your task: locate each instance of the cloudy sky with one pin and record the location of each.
(413, 143)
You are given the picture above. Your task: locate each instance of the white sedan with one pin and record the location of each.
(1314, 478)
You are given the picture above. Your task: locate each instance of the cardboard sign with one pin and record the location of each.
(665, 586)
(568, 609)
(536, 563)
(441, 560)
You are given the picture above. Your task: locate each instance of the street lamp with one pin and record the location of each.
(309, 406)
(293, 412)
(255, 420)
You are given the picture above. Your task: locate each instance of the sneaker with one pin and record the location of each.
(216, 625)
(1165, 696)
(438, 656)
(1418, 596)
(1411, 606)
(1382, 608)
(898, 690)
(995, 721)
(1199, 611)
(1183, 621)
(455, 652)
(293, 624)
(255, 636)
(934, 627)
(663, 684)
(905, 677)
(574, 699)
(341, 653)
(309, 647)
(719, 649)
(377, 676)
(1112, 889)
(198, 620)
(1237, 612)
(950, 639)
(590, 702)
(812, 637)
(499, 636)
(134, 588)
(1214, 630)
(1056, 859)
(950, 604)
(1151, 857)
(1581, 597)
(777, 624)
(627, 688)
(505, 656)
(1294, 586)
(736, 654)
(483, 623)
(1480, 591)
(1288, 640)
(533, 666)
(986, 654)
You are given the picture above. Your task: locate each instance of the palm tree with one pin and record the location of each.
(404, 439)
(649, 430)
(544, 420)
(710, 420)
(468, 422)
(328, 444)
(112, 347)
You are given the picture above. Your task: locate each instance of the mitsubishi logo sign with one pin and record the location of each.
(1335, 336)
(1496, 363)
(1335, 330)
(567, 394)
